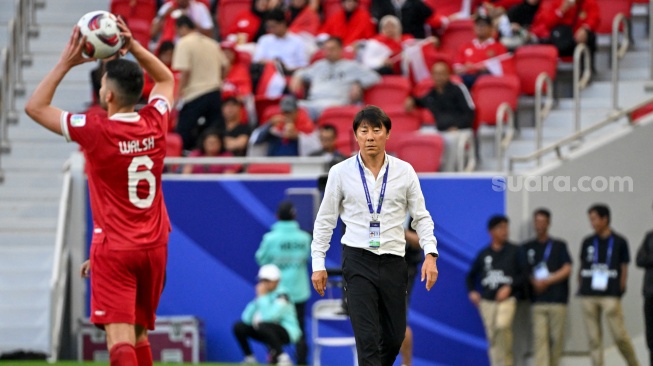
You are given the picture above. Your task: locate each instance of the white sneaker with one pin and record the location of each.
(249, 360)
(284, 360)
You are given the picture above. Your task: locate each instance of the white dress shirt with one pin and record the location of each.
(344, 196)
(289, 49)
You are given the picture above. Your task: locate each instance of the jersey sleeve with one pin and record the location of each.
(158, 107)
(80, 128)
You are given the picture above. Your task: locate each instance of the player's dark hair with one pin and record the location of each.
(329, 127)
(496, 220)
(211, 131)
(185, 21)
(277, 15)
(127, 79)
(373, 116)
(600, 209)
(542, 211)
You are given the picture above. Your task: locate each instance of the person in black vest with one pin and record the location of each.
(645, 260)
(549, 266)
(498, 268)
(604, 258)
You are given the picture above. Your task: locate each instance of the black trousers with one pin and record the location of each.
(301, 347)
(648, 316)
(274, 336)
(375, 289)
(206, 107)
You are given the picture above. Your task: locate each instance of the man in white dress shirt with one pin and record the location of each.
(372, 192)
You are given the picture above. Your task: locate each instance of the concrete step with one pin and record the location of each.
(32, 276)
(22, 239)
(16, 258)
(25, 338)
(29, 224)
(32, 164)
(47, 150)
(19, 194)
(28, 209)
(68, 12)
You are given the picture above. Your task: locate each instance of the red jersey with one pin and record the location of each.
(548, 17)
(358, 26)
(124, 155)
(475, 51)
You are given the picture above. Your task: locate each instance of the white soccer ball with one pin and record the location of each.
(103, 38)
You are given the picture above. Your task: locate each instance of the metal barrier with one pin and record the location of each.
(299, 165)
(618, 52)
(466, 153)
(504, 114)
(543, 84)
(5, 100)
(569, 140)
(581, 52)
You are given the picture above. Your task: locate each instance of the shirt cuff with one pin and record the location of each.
(318, 264)
(429, 248)
(63, 119)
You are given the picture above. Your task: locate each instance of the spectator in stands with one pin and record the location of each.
(280, 45)
(287, 133)
(328, 137)
(303, 17)
(413, 15)
(645, 261)
(238, 80)
(350, 24)
(521, 18)
(383, 52)
(270, 318)
(566, 23)
(199, 59)
(498, 269)
(470, 61)
(249, 25)
(164, 23)
(602, 275)
(236, 135)
(452, 108)
(288, 247)
(211, 144)
(548, 264)
(334, 80)
(164, 53)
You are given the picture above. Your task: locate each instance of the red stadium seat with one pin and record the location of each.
(391, 91)
(489, 92)
(342, 119)
(262, 103)
(532, 60)
(403, 121)
(608, 9)
(227, 12)
(445, 7)
(422, 151)
(641, 112)
(458, 33)
(331, 6)
(269, 168)
(138, 17)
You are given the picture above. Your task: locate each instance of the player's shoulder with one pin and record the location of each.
(157, 103)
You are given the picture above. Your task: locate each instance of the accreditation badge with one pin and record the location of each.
(541, 271)
(600, 279)
(375, 234)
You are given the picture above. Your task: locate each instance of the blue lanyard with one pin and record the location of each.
(596, 250)
(547, 251)
(367, 191)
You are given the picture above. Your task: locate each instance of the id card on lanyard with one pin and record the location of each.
(375, 224)
(541, 271)
(601, 276)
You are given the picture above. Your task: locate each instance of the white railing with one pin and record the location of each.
(299, 165)
(581, 53)
(543, 84)
(60, 268)
(618, 52)
(504, 115)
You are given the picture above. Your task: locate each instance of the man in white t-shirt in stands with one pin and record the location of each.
(280, 44)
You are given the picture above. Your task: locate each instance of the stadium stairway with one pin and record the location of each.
(29, 197)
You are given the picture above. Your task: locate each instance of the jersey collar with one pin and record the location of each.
(126, 117)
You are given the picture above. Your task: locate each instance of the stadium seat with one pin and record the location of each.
(268, 168)
(341, 118)
(174, 144)
(489, 92)
(445, 7)
(227, 12)
(138, 17)
(532, 60)
(391, 91)
(608, 9)
(329, 7)
(262, 103)
(641, 112)
(329, 310)
(458, 33)
(403, 121)
(422, 151)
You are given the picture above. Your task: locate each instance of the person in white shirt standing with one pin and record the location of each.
(372, 192)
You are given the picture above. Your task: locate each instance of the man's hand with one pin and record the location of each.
(72, 55)
(540, 285)
(503, 293)
(319, 279)
(474, 297)
(581, 35)
(429, 271)
(409, 104)
(85, 269)
(126, 36)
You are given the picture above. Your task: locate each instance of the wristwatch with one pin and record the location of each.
(435, 255)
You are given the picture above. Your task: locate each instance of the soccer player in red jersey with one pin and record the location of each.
(124, 152)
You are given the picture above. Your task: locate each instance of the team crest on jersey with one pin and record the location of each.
(161, 106)
(77, 120)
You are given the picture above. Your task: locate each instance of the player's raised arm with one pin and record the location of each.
(39, 106)
(162, 76)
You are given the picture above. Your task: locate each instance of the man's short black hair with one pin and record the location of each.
(127, 79)
(600, 209)
(232, 100)
(165, 47)
(496, 220)
(337, 40)
(329, 127)
(185, 21)
(542, 211)
(277, 15)
(373, 116)
(286, 211)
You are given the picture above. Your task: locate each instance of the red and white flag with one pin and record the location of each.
(500, 65)
(272, 82)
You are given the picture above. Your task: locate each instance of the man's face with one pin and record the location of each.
(598, 223)
(231, 111)
(541, 224)
(349, 5)
(276, 28)
(328, 139)
(499, 233)
(440, 74)
(483, 30)
(166, 57)
(261, 5)
(332, 51)
(183, 4)
(371, 140)
(390, 29)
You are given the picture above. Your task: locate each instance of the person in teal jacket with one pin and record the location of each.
(288, 247)
(270, 318)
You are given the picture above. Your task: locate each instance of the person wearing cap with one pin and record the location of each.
(469, 63)
(270, 318)
(498, 269)
(288, 247)
(372, 192)
(289, 132)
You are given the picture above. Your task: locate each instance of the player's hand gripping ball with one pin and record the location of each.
(103, 38)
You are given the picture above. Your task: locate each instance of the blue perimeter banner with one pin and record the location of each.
(217, 225)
